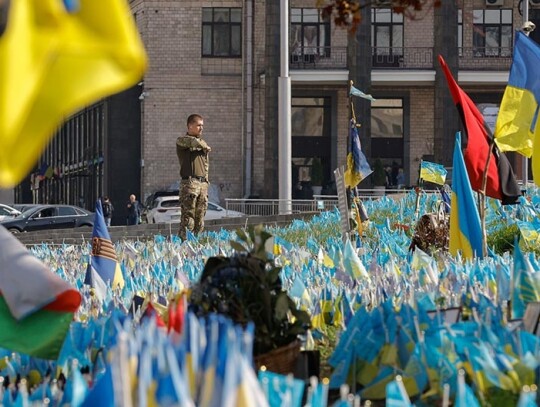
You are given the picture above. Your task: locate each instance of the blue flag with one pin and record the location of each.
(103, 269)
(465, 227)
(357, 166)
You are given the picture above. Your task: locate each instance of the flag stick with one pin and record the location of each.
(418, 191)
(482, 198)
(354, 192)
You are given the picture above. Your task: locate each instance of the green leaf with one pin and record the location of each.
(282, 306)
(272, 275)
(238, 247)
(242, 235)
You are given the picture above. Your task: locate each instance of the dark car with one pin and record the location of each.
(24, 207)
(49, 217)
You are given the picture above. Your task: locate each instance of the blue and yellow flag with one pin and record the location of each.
(55, 58)
(525, 283)
(465, 227)
(103, 269)
(517, 124)
(432, 172)
(357, 166)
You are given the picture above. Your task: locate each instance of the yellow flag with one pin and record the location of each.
(53, 62)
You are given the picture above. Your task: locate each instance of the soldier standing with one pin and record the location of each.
(192, 152)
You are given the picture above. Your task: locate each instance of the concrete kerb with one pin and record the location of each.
(148, 231)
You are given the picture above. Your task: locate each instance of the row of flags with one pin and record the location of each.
(339, 270)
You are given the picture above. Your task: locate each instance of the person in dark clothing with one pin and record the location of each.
(108, 209)
(395, 172)
(134, 210)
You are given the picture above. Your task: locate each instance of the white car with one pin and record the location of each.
(166, 209)
(7, 212)
(215, 211)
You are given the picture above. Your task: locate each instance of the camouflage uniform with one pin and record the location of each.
(193, 158)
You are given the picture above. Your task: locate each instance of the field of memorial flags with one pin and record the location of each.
(103, 324)
(447, 328)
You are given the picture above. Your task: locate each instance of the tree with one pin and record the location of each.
(346, 13)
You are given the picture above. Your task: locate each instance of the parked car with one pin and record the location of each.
(166, 209)
(215, 211)
(43, 217)
(150, 202)
(23, 207)
(8, 212)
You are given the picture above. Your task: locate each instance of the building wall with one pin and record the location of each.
(122, 152)
(180, 82)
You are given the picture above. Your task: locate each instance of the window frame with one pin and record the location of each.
(396, 21)
(321, 50)
(481, 51)
(213, 24)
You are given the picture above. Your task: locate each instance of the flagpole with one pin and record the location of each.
(526, 30)
(349, 190)
(482, 198)
(418, 191)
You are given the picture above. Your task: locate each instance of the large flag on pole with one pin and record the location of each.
(517, 123)
(357, 166)
(103, 269)
(465, 227)
(433, 172)
(36, 305)
(476, 143)
(55, 58)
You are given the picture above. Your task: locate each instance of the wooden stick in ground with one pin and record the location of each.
(482, 198)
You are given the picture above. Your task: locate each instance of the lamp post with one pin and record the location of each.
(284, 120)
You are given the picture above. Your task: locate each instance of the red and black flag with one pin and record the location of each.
(476, 143)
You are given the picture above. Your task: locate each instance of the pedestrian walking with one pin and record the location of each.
(108, 209)
(134, 210)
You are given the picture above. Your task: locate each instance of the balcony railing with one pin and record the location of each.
(485, 59)
(471, 58)
(318, 58)
(403, 58)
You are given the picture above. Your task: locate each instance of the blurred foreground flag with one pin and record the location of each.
(103, 269)
(36, 305)
(432, 172)
(357, 166)
(465, 228)
(55, 58)
(476, 146)
(517, 122)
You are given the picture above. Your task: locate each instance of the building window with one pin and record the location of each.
(221, 32)
(387, 118)
(308, 116)
(310, 36)
(387, 131)
(492, 34)
(386, 37)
